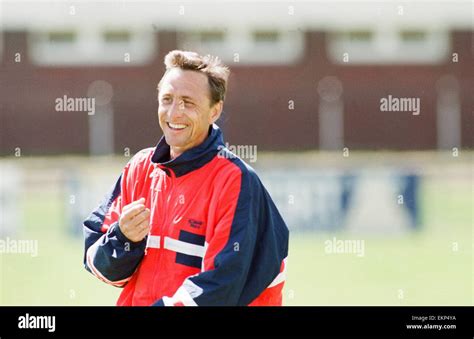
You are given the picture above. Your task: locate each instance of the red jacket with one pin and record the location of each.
(216, 236)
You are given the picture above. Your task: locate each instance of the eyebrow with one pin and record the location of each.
(186, 97)
(189, 98)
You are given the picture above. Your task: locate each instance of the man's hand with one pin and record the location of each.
(135, 220)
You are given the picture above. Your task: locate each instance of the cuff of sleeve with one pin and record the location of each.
(123, 239)
(159, 303)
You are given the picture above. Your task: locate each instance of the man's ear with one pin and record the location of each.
(216, 111)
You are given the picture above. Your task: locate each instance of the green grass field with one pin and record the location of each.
(431, 267)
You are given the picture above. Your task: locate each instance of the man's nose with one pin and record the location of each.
(176, 109)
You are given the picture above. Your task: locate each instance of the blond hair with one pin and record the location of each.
(216, 72)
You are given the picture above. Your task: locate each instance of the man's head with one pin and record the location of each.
(190, 98)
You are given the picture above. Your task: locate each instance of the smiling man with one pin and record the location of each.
(189, 223)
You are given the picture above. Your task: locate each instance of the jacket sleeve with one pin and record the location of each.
(245, 252)
(108, 254)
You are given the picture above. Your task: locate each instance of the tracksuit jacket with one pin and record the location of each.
(216, 237)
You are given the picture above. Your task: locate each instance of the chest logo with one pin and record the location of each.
(195, 223)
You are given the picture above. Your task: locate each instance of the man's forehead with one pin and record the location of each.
(184, 81)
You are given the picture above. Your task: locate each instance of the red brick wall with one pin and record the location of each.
(256, 109)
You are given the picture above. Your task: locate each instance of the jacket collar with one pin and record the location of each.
(191, 159)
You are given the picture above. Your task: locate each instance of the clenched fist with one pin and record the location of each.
(135, 220)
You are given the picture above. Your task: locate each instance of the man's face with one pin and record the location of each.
(184, 109)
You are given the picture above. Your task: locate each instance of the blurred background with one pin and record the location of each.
(379, 201)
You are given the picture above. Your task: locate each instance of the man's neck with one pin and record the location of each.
(175, 153)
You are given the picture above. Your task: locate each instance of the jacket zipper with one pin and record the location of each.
(169, 198)
(162, 230)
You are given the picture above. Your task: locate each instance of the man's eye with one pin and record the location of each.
(165, 100)
(188, 103)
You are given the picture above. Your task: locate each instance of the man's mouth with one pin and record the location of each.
(176, 127)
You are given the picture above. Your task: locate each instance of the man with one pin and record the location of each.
(188, 223)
